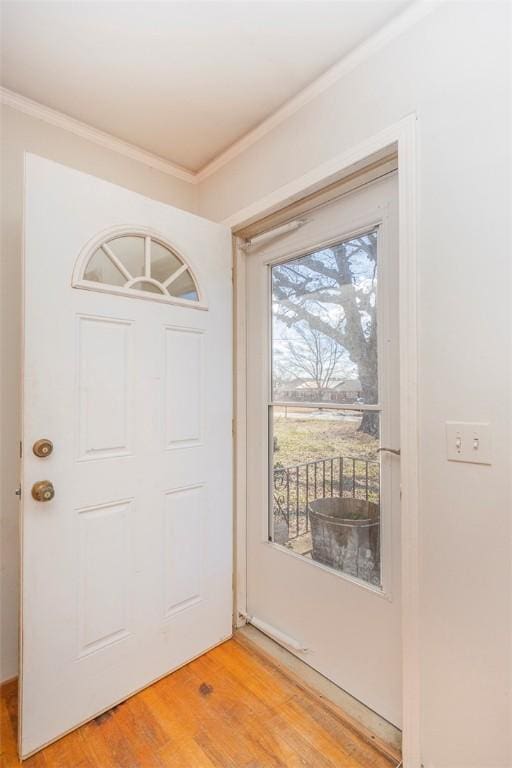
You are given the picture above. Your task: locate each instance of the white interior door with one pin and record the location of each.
(127, 371)
(323, 529)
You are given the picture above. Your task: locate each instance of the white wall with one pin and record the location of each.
(453, 69)
(21, 133)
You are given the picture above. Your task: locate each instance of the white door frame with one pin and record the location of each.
(402, 135)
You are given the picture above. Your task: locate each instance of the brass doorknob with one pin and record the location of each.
(42, 448)
(43, 491)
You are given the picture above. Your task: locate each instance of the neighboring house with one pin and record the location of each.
(306, 390)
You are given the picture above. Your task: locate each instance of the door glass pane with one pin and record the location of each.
(130, 252)
(324, 324)
(143, 285)
(325, 487)
(163, 262)
(101, 270)
(183, 287)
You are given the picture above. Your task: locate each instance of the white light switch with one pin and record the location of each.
(466, 441)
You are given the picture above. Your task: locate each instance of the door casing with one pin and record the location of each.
(401, 137)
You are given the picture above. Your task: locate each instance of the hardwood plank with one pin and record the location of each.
(36, 761)
(217, 717)
(9, 687)
(270, 748)
(68, 751)
(9, 695)
(109, 746)
(335, 742)
(8, 752)
(360, 731)
(291, 740)
(322, 720)
(239, 692)
(144, 735)
(269, 692)
(172, 719)
(231, 708)
(188, 752)
(246, 665)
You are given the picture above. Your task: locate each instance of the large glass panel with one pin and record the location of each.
(324, 324)
(325, 487)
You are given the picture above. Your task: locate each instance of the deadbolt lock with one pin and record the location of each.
(43, 491)
(43, 447)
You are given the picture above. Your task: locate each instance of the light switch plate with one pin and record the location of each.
(468, 441)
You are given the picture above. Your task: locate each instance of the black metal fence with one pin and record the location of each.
(295, 487)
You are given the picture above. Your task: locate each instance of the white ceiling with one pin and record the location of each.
(183, 80)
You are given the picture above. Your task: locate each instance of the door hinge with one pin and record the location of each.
(21, 450)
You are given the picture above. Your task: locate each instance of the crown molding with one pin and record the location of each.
(85, 131)
(408, 18)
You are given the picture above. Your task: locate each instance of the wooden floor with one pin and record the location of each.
(232, 708)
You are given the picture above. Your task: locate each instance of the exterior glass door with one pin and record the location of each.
(323, 499)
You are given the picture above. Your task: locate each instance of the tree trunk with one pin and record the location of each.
(369, 424)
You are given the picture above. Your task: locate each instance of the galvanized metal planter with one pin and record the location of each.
(345, 534)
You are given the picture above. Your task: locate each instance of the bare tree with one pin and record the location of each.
(314, 355)
(333, 292)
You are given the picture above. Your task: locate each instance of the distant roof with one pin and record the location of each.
(348, 385)
(340, 385)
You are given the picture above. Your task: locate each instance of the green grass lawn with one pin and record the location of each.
(299, 440)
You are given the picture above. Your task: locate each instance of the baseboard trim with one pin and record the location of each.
(366, 723)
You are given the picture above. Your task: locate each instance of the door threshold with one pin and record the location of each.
(374, 728)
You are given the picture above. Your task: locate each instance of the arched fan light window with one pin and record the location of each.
(136, 263)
